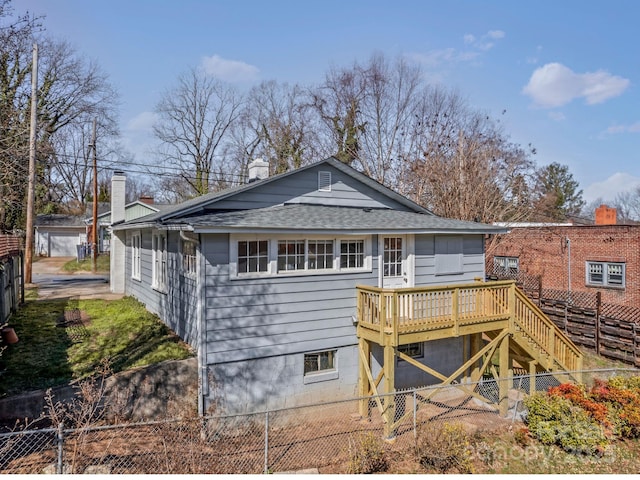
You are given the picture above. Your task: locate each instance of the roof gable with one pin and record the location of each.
(352, 188)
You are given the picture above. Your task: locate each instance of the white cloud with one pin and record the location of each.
(436, 58)
(633, 128)
(486, 41)
(229, 70)
(447, 56)
(554, 85)
(495, 34)
(608, 189)
(142, 122)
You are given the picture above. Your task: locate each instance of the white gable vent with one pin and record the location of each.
(324, 181)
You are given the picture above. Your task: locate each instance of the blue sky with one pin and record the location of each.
(566, 72)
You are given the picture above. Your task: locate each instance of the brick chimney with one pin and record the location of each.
(146, 199)
(606, 215)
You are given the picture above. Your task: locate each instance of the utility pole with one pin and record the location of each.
(32, 167)
(94, 230)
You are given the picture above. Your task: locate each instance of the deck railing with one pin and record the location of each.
(454, 307)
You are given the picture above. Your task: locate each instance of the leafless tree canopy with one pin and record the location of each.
(71, 91)
(380, 116)
(195, 118)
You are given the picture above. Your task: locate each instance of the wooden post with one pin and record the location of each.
(389, 389)
(539, 290)
(505, 375)
(363, 380)
(454, 312)
(598, 313)
(532, 377)
(476, 345)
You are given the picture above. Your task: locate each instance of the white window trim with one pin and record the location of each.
(136, 261)
(410, 252)
(322, 375)
(159, 280)
(605, 275)
(272, 268)
(183, 269)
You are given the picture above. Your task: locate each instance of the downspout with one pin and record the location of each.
(203, 384)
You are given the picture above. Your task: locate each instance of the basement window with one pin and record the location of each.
(413, 350)
(319, 362)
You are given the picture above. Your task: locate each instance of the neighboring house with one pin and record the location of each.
(136, 209)
(603, 257)
(59, 235)
(261, 280)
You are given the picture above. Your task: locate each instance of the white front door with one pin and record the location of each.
(394, 262)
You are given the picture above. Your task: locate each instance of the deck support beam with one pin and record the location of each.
(389, 368)
(505, 374)
(364, 372)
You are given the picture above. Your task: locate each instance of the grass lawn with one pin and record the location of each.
(86, 265)
(121, 331)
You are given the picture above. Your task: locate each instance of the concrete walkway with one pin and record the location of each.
(53, 282)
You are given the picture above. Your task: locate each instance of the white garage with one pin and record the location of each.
(59, 235)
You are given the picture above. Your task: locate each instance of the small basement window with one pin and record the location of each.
(319, 362)
(413, 350)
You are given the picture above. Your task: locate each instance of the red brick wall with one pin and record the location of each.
(543, 251)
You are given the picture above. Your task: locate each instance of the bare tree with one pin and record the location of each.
(194, 123)
(386, 113)
(337, 103)
(276, 124)
(627, 205)
(70, 90)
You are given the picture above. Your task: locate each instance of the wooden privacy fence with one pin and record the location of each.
(612, 330)
(11, 275)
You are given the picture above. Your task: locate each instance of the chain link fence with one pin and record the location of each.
(314, 438)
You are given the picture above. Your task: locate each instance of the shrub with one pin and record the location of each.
(444, 447)
(553, 419)
(622, 398)
(522, 436)
(366, 454)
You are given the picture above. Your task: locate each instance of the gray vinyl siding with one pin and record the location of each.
(280, 315)
(303, 188)
(425, 261)
(177, 307)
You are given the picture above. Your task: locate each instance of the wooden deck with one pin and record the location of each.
(496, 316)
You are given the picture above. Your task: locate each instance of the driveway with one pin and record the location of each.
(53, 282)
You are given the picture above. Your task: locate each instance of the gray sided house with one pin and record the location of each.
(261, 280)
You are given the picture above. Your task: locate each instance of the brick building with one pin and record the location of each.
(582, 258)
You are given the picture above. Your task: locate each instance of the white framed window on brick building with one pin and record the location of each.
(507, 264)
(159, 265)
(605, 274)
